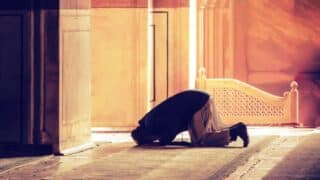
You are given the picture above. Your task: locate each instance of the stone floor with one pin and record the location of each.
(274, 153)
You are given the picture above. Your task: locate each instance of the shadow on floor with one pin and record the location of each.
(24, 150)
(301, 163)
(180, 145)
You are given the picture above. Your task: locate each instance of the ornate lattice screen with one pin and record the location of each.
(238, 101)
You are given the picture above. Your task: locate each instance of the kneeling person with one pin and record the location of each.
(189, 110)
(206, 129)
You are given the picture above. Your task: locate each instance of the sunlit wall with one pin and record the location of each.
(283, 44)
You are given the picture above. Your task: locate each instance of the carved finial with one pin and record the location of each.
(285, 94)
(294, 85)
(202, 73)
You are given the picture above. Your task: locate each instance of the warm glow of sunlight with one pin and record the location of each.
(280, 131)
(192, 43)
(150, 54)
(184, 136)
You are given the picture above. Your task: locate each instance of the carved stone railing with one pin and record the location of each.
(238, 101)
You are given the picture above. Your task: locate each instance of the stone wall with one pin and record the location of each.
(119, 57)
(282, 43)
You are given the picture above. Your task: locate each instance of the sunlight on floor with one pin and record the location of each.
(280, 131)
(111, 137)
(253, 131)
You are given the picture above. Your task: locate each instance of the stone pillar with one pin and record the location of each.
(229, 38)
(200, 35)
(48, 56)
(74, 76)
(209, 41)
(218, 38)
(65, 102)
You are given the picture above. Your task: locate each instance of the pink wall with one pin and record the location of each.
(283, 44)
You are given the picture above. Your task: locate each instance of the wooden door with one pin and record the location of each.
(11, 78)
(160, 57)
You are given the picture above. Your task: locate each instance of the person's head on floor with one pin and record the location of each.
(142, 136)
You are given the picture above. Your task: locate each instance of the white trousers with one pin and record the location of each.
(206, 128)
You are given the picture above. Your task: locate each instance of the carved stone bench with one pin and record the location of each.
(238, 101)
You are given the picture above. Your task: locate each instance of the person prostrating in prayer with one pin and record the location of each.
(190, 110)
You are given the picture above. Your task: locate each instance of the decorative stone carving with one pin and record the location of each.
(239, 101)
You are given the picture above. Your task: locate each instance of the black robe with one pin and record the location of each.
(169, 118)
